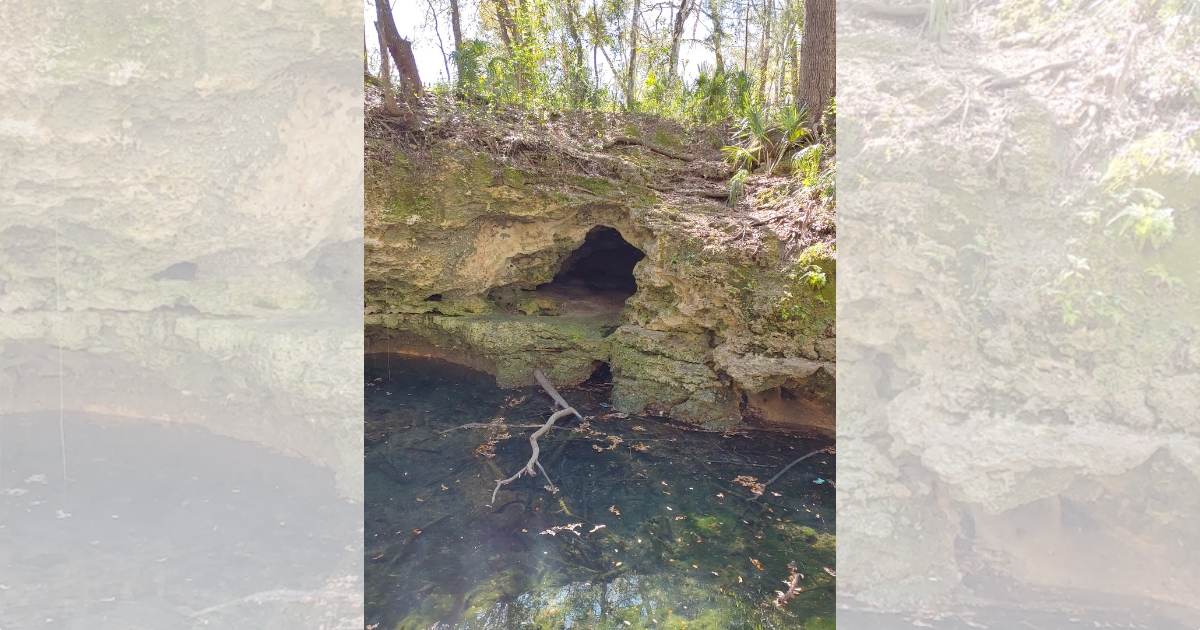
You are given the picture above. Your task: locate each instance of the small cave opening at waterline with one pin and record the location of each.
(602, 264)
(595, 279)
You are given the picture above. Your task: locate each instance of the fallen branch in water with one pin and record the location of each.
(490, 425)
(793, 583)
(533, 459)
(827, 449)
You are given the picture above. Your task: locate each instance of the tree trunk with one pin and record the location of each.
(629, 92)
(508, 28)
(438, 32)
(402, 54)
(746, 44)
(786, 19)
(456, 26)
(385, 75)
(817, 45)
(685, 7)
(575, 72)
(718, 36)
(595, 37)
(797, 27)
(765, 57)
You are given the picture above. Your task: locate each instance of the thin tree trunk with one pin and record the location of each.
(718, 36)
(817, 46)
(597, 34)
(456, 26)
(765, 58)
(746, 45)
(613, 69)
(402, 54)
(685, 7)
(385, 75)
(505, 23)
(781, 59)
(595, 39)
(629, 91)
(797, 26)
(513, 35)
(575, 73)
(437, 31)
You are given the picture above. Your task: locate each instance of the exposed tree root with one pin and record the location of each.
(661, 150)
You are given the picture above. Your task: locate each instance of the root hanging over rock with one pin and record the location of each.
(533, 459)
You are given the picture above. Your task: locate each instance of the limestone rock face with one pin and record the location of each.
(755, 373)
(563, 256)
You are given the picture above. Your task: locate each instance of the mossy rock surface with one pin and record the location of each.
(461, 241)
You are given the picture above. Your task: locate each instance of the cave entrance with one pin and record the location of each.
(598, 276)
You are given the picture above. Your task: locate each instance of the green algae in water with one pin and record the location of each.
(648, 529)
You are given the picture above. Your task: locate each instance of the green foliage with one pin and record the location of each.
(613, 55)
(827, 183)
(753, 134)
(765, 138)
(817, 254)
(740, 157)
(716, 96)
(813, 276)
(737, 186)
(806, 164)
(466, 62)
(1145, 220)
(793, 133)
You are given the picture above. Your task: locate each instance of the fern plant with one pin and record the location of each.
(814, 277)
(1147, 220)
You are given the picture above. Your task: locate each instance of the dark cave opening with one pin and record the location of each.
(602, 264)
(602, 375)
(595, 279)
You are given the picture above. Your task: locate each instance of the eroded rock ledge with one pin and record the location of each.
(551, 252)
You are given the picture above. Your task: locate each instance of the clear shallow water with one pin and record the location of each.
(665, 537)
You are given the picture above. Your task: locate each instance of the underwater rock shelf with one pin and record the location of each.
(651, 524)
